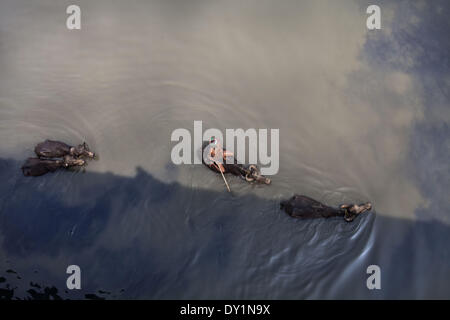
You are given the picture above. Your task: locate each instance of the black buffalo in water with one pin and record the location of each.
(53, 155)
(38, 167)
(229, 163)
(56, 149)
(306, 208)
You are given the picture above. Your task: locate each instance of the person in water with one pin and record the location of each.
(217, 156)
(304, 207)
(57, 149)
(219, 160)
(35, 167)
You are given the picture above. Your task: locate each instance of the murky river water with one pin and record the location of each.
(356, 124)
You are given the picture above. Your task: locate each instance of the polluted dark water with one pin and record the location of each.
(363, 115)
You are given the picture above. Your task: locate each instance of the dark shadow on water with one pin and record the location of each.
(139, 237)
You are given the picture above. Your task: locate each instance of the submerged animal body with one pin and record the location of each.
(35, 167)
(304, 207)
(56, 149)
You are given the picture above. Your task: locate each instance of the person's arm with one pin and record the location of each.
(227, 153)
(217, 166)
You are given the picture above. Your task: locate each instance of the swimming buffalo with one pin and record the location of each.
(56, 149)
(38, 167)
(306, 208)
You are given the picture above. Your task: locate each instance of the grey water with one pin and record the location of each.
(362, 115)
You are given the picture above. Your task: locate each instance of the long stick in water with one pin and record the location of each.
(223, 176)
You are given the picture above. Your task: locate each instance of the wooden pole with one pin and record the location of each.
(223, 176)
